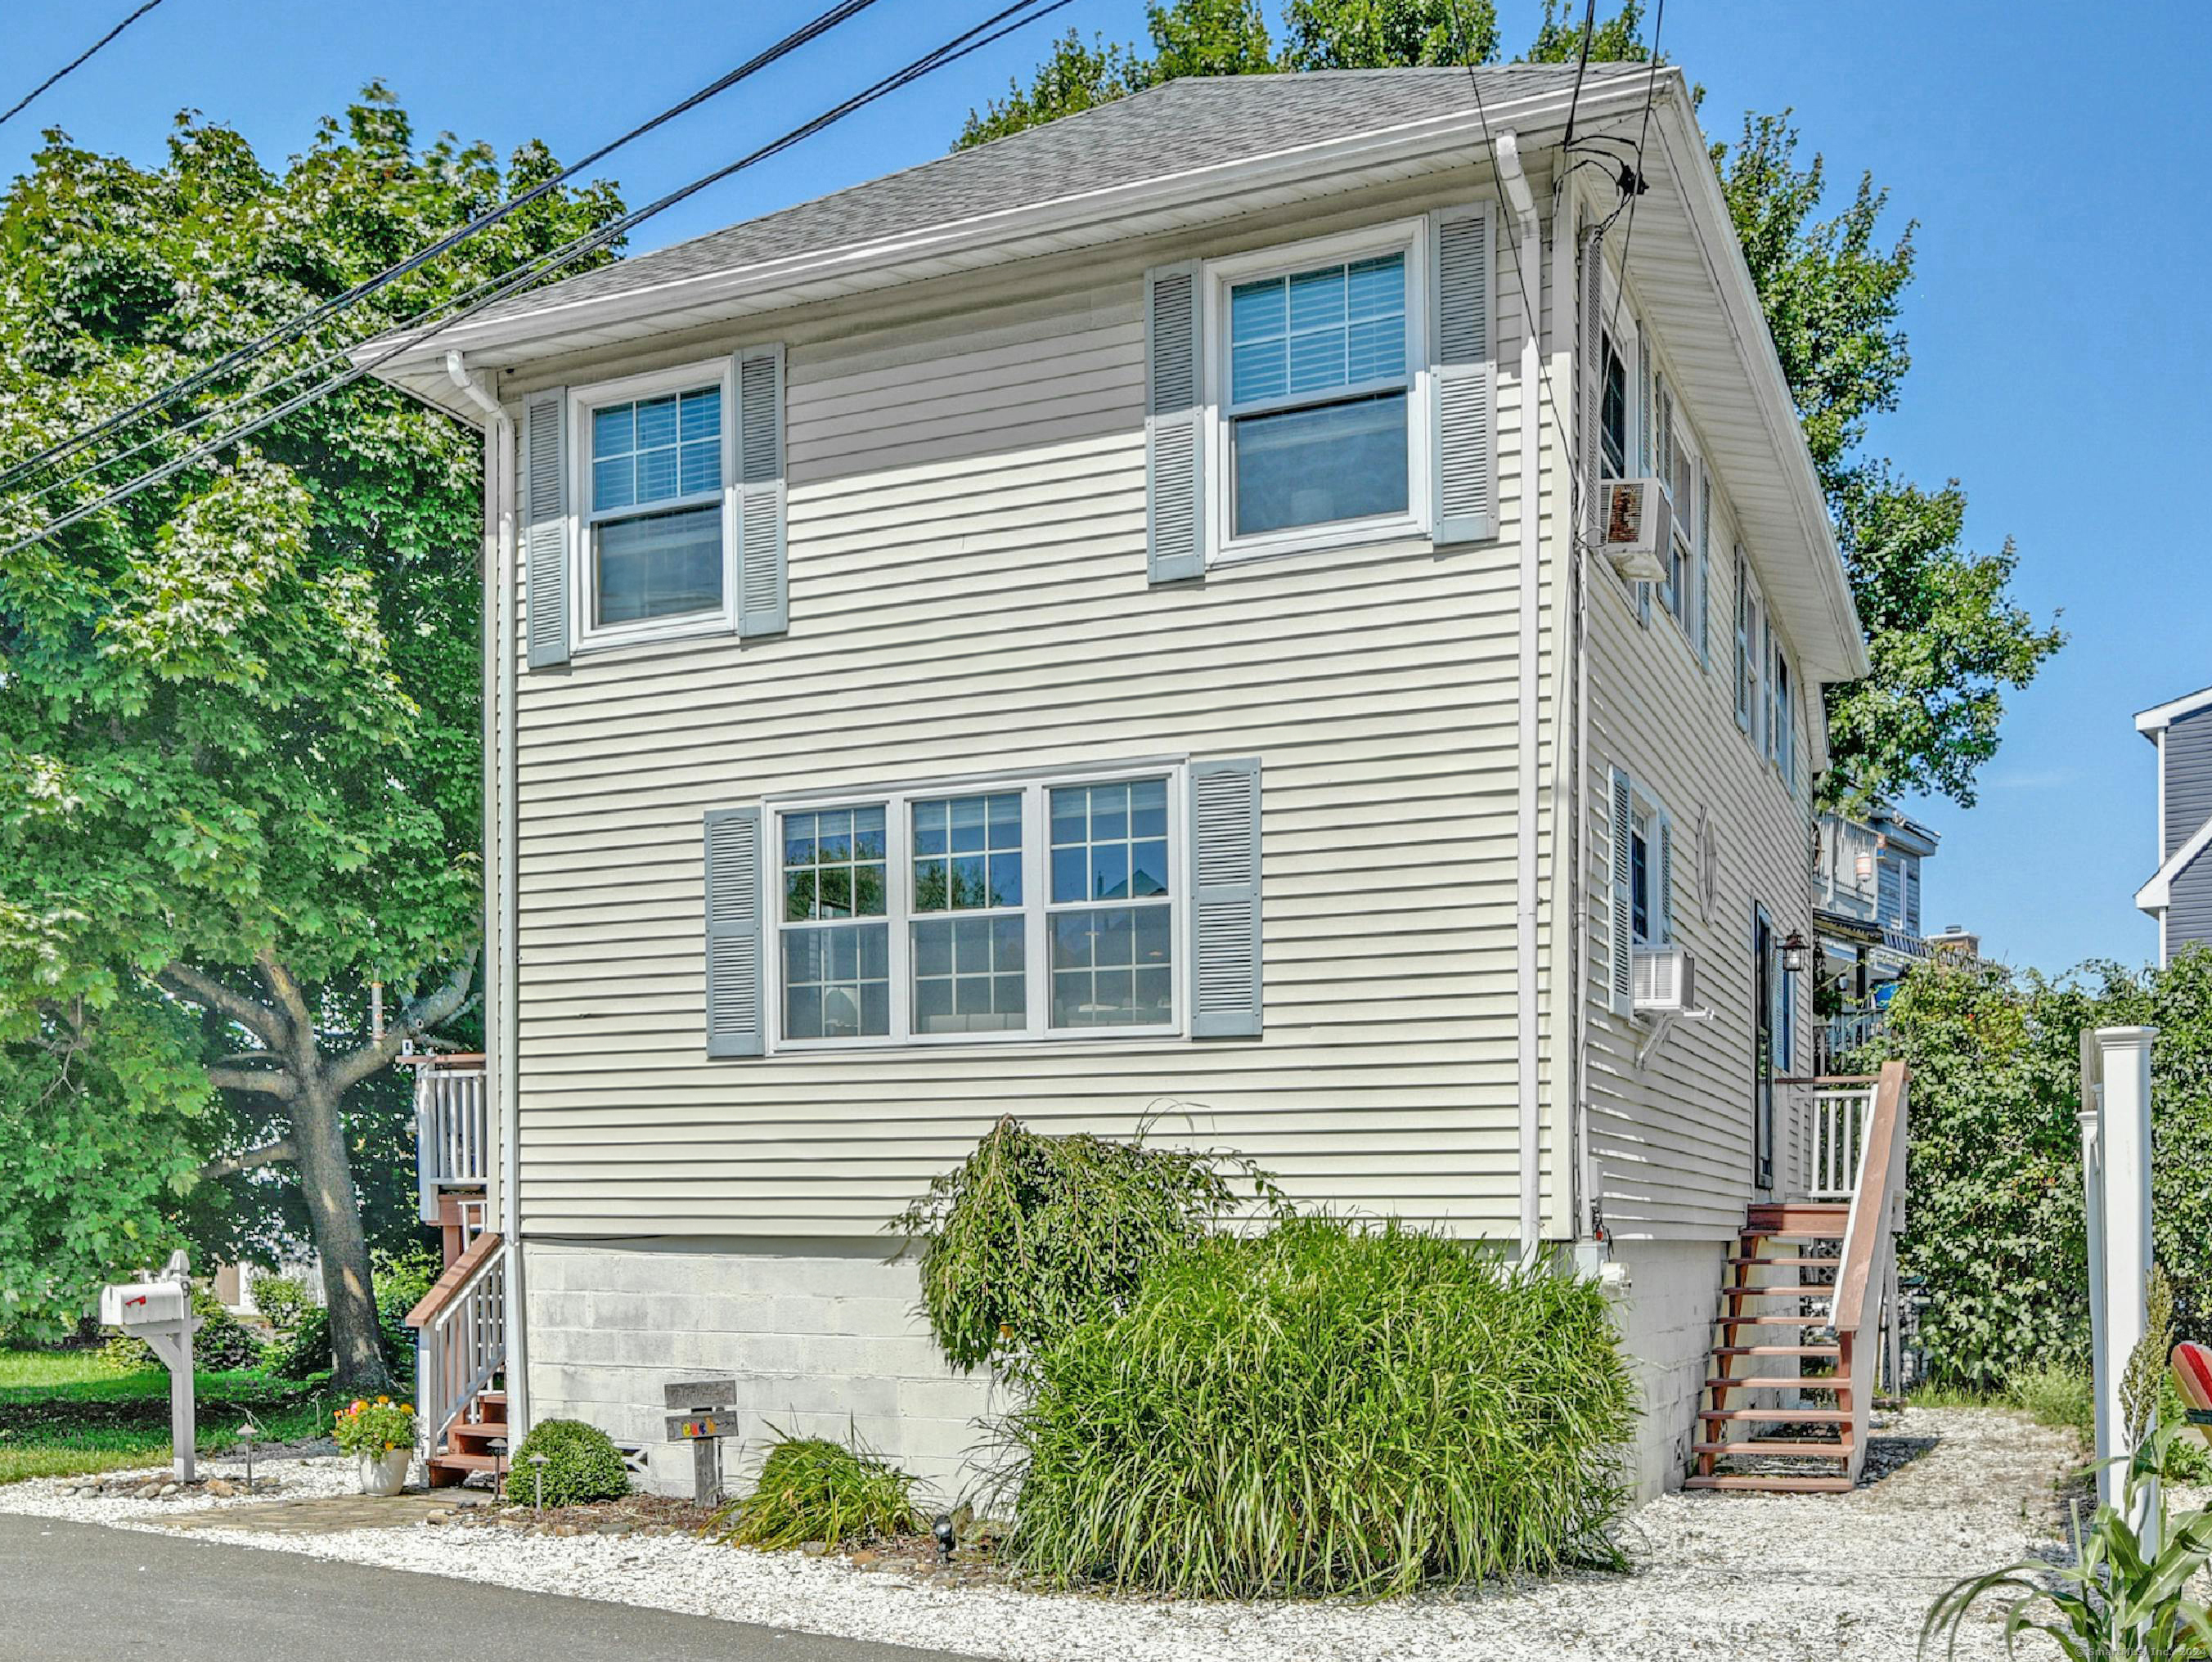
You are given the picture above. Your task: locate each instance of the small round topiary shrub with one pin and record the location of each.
(581, 1464)
(1324, 1410)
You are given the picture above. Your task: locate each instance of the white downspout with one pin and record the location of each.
(500, 889)
(1566, 307)
(1529, 511)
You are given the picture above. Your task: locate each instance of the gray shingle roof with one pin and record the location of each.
(1155, 134)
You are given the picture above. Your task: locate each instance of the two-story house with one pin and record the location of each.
(1116, 624)
(2179, 893)
(1866, 900)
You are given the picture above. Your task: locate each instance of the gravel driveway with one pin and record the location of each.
(1778, 1578)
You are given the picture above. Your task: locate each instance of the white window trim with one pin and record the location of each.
(1408, 236)
(896, 800)
(584, 635)
(1756, 629)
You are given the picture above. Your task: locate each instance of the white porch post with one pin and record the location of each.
(2116, 1090)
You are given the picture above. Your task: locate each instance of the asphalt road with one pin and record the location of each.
(81, 1593)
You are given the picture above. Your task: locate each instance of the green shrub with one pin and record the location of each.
(222, 1344)
(400, 1283)
(581, 1464)
(2056, 1395)
(281, 1299)
(1032, 1235)
(1993, 1225)
(1325, 1409)
(813, 1489)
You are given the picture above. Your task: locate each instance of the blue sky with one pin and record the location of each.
(2047, 151)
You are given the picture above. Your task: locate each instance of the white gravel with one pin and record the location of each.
(1776, 1577)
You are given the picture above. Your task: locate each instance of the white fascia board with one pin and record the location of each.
(2151, 897)
(1453, 138)
(2152, 722)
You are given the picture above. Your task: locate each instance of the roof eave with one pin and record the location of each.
(2155, 720)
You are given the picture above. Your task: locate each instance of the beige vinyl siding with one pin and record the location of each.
(1671, 1141)
(969, 596)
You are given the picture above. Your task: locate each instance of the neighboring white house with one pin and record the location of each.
(2179, 893)
(1114, 623)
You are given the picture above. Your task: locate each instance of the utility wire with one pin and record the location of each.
(993, 28)
(24, 102)
(241, 355)
(1635, 184)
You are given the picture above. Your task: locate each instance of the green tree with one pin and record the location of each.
(1947, 638)
(238, 747)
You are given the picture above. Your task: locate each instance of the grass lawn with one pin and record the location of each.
(61, 1413)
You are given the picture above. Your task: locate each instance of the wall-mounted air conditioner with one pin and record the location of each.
(1665, 981)
(1635, 524)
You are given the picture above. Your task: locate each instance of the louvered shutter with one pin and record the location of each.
(1647, 449)
(734, 1023)
(1465, 377)
(1705, 566)
(1225, 931)
(763, 597)
(545, 525)
(1624, 924)
(1590, 395)
(1666, 875)
(1175, 472)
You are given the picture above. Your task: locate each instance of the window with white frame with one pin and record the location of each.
(1678, 466)
(1612, 413)
(1750, 651)
(1639, 873)
(1032, 908)
(654, 469)
(1317, 369)
(1782, 744)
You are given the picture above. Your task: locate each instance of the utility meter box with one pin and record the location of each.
(144, 1304)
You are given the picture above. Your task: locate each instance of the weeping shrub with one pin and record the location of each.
(1327, 1408)
(813, 1489)
(1032, 1235)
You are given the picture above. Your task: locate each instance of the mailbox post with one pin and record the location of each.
(705, 1423)
(159, 1310)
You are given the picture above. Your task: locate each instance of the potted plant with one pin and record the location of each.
(380, 1436)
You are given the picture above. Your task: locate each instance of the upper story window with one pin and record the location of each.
(1750, 651)
(1639, 875)
(1782, 744)
(1030, 909)
(1613, 414)
(656, 520)
(1318, 384)
(1678, 466)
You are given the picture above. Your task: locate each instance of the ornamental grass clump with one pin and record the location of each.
(813, 1489)
(1326, 1409)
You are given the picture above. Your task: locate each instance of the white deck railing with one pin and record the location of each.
(461, 1337)
(452, 1129)
(1834, 1138)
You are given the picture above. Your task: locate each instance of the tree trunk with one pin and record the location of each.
(334, 1218)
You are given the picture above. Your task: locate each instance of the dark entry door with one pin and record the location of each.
(1762, 1049)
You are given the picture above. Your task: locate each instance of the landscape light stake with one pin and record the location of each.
(245, 1433)
(537, 1483)
(942, 1529)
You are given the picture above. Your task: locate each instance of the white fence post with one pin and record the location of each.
(2116, 1176)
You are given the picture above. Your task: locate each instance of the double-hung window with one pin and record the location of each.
(1612, 413)
(1322, 426)
(1678, 467)
(1782, 744)
(653, 468)
(1750, 651)
(1639, 875)
(1032, 908)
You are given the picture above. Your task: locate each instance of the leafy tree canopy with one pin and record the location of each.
(1947, 639)
(239, 746)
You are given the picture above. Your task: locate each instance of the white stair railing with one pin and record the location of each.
(460, 1335)
(452, 1144)
(1835, 1137)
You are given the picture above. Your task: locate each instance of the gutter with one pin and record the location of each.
(1506, 151)
(500, 890)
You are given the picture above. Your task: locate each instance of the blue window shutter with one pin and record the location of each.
(1705, 566)
(734, 1023)
(1666, 875)
(545, 525)
(1464, 375)
(1175, 463)
(1624, 922)
(1224, 927)
(763, 594)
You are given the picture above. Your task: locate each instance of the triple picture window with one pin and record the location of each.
(1028, 909)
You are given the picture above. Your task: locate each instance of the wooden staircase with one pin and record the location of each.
(468, 1444)
(1799, 1298)
(1785, 1403)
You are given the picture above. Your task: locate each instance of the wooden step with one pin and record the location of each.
(1811, 1451)
(1762, 1318)
(1790, 1263)
(1835, 1351)
(1778, 1382)
(1786, 1416)
(474, 1439)
(1767, 1483)
(1794, 1290)
(459, 1461)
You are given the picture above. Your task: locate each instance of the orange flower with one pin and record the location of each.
(358, 1404)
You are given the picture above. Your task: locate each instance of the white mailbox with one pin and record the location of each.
(144, 1303)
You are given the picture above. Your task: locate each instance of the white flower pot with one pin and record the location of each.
(386, 1473)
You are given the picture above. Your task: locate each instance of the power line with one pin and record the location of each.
(239, 356)
(1634, 184)
(23, 103)
(1582, 68)
(993, 28)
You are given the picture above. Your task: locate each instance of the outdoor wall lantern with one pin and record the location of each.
(1865, 864)
(1795, 958)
